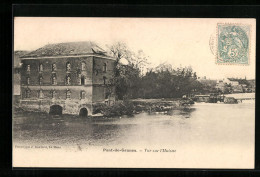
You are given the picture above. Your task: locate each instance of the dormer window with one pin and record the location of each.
(53, 67)
(28, 68)
(104, 67)
(41, 67)
(68, 66)
(83, 66)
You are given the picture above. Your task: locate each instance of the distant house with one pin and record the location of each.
(234, 81)
(221, 86)
(69, 77)
(231, 81)
(237, 89)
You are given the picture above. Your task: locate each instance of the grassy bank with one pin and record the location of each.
(136, 106)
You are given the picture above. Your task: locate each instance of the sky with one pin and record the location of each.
(180, 42)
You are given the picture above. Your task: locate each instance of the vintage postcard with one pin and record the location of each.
(134, 92)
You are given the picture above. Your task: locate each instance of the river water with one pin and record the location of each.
(201, 123)
(205, 127)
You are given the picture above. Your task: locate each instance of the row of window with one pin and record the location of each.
(54, 80)
(68, 67)
(82, 80)
(54, 94)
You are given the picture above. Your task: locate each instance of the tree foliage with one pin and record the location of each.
(160, 82)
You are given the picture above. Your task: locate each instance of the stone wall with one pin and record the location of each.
(99, 74)
(94, 88)
(68, 106)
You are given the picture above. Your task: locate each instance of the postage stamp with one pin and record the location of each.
(233, 45)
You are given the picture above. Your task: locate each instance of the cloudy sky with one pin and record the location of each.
(184, 42)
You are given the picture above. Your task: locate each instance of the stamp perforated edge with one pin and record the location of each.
(249, 46)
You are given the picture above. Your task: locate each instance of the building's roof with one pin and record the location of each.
(17, 57)
(240, 81)
(67, 49)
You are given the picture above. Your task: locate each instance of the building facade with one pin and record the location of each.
(16, 73)
(73, 76)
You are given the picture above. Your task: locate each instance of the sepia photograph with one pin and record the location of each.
(134, 92)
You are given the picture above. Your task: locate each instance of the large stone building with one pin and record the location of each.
(68, 76)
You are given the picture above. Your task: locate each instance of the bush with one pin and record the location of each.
(118, 109)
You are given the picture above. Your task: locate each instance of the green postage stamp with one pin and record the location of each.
(233, 44)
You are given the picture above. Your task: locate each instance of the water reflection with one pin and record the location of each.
(203, 123)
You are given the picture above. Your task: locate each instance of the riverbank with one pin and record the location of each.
(129, 107)
(136, 106)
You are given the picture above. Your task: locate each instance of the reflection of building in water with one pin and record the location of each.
(72, 75)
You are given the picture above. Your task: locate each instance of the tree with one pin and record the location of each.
(160, 82)
(127, 77)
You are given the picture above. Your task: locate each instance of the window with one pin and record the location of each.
(107, 95)
(68, 80)
(68, 66)
(40, 67)
(53, 94)
(53, 80)
(27, 93)
(104, 78)
(40, 80)
(82, 80)
(68, 93)
(40, 94)
(53, 67)
(104, 67)
(28, 68)
(28, 80)
(83, 66)
(83, 95)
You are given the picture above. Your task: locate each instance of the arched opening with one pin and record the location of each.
(83, 112)
(55, 110)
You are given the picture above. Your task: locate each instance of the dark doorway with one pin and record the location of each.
(55, 110)
(82, 80)
(83, 112)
